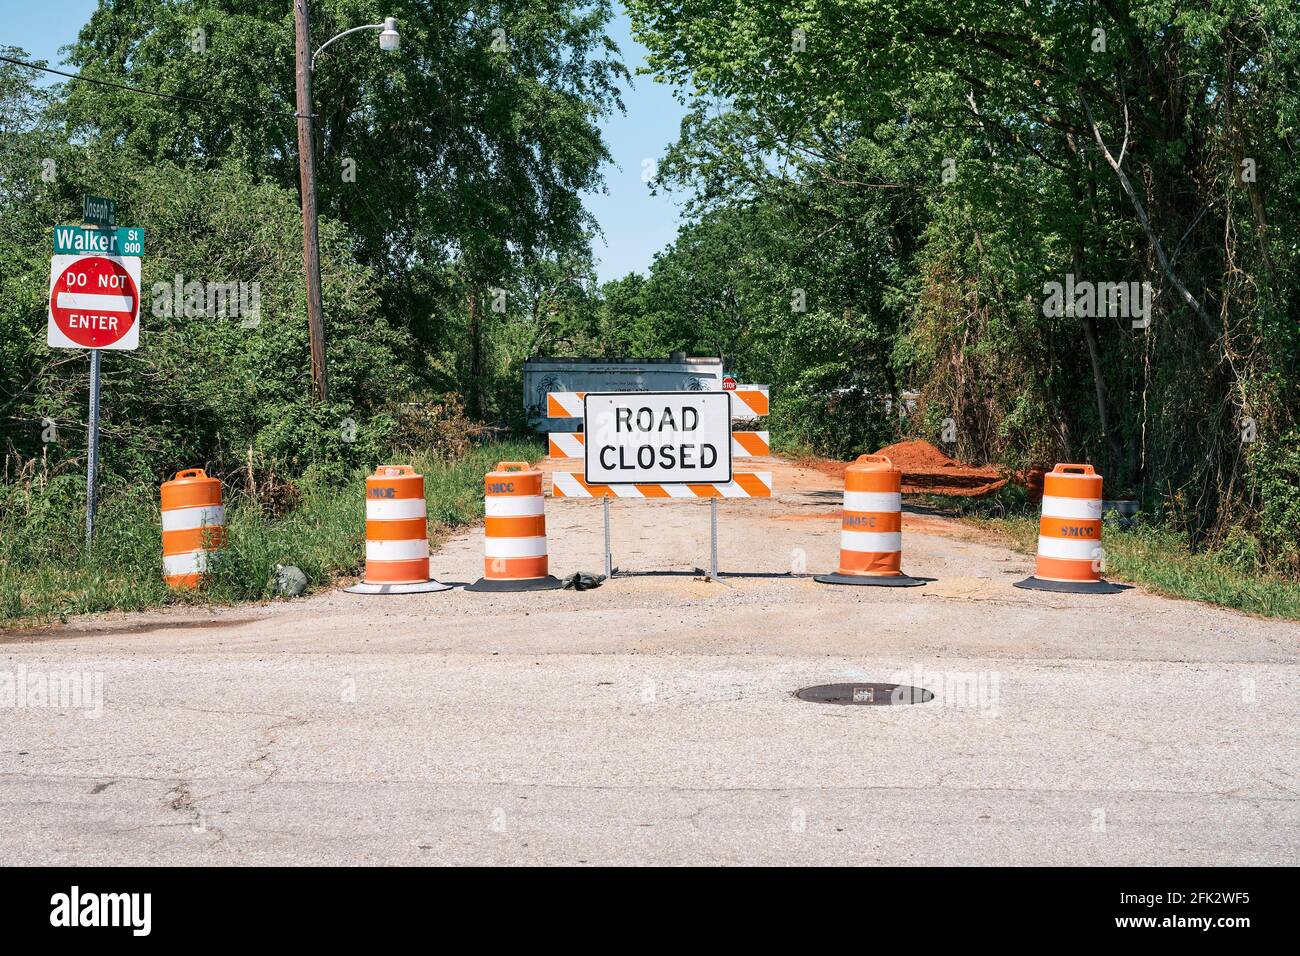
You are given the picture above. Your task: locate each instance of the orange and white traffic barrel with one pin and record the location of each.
(193, 526)
(1069, 534)
(871, 527)
(397, 534)
(514, 531)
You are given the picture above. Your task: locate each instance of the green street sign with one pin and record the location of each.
(99, 211)
(79, 240)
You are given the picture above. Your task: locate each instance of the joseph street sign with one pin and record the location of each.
(99, 211)
(81, 241)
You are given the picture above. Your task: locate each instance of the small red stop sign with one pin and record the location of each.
(728, 384)
(95, 302)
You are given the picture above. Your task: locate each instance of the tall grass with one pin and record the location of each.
(1150, 555)
(45, 573)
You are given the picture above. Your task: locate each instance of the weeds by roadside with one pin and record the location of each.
(45, 574)
(1149, 555)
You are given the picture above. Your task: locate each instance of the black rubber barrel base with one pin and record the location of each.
(548, 583)
(1032, 583)
(872, 581)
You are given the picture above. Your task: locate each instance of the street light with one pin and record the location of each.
(389, 41)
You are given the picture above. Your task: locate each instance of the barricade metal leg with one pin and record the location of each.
(713, 539)
(609, 557)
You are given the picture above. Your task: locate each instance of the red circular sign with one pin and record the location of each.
(728, 384)
(95, 302)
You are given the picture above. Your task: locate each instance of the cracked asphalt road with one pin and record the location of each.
(653, 720)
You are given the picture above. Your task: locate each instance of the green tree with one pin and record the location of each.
(454, 164)
(210, 384)
(1123, 140)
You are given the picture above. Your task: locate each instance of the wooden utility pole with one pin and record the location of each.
(307, 176)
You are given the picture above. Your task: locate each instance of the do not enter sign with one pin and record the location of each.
(94, 302)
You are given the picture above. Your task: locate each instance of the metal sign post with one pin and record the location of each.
(610, 570)
(609, 556)
(713, 539)
(92, 446)
(94, 304)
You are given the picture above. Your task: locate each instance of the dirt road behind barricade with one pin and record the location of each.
(926, 471)
(653, 719)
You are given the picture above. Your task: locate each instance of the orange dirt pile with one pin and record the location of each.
(926, 471)
(917, 455)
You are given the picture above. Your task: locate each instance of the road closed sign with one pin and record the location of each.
(665, 437)
(94, 302)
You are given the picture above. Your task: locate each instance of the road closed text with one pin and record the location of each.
(658, 437)
(647, 448)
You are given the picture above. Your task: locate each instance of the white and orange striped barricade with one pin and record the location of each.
(397, 535)
(574, 444)
(572, 484)
(871, 527)
(673, 445)
(514, 531)
(747, 401)
(193, 526)
(1069, 534)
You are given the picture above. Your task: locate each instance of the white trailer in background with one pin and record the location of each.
(677, 373)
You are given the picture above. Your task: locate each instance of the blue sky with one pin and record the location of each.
(636, 224)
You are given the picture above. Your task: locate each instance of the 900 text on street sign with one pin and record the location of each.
(666, 437)
(80, 241)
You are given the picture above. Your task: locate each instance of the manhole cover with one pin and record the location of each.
(874, 694)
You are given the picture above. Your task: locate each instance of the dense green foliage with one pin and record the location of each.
(206, 388)
(922, 169)
(446, 171)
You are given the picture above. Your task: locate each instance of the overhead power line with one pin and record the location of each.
(137, 89)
